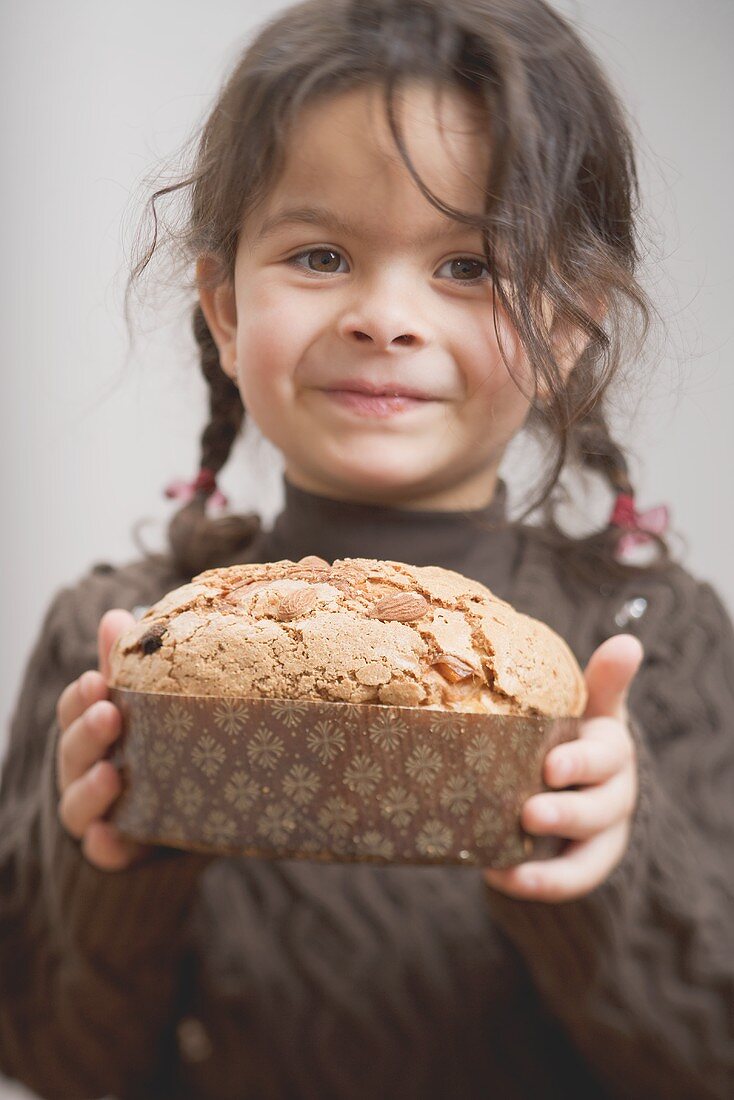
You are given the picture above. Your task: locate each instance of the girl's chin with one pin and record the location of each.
(361, 480)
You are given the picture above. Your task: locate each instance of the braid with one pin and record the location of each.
(598, 451)
(198, 542)
(226, 411)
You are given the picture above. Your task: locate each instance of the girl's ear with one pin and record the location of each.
(569, 341)
(217, 298)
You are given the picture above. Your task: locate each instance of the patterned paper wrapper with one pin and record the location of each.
(302, 779)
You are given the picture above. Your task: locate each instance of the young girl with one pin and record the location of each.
(413, 236)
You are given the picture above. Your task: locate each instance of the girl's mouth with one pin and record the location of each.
(364, 404)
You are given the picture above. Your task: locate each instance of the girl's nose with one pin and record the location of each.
(383, 328)
(408, 338)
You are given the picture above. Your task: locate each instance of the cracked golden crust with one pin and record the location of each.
(226, 633)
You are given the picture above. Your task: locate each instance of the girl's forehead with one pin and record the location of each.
(341, 162)
(366, 222)
(439, 126)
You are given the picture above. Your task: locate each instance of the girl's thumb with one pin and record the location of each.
(111, 625)
(609, 674)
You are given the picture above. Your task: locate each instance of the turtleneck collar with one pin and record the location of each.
(314, 524)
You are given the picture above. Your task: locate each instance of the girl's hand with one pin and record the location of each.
(88, 785)
(596, 818)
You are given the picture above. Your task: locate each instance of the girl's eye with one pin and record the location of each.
(465, 269)
(325, 261)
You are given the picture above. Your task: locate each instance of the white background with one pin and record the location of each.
(95, 95)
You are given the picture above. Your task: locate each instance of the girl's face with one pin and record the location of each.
(348, 279)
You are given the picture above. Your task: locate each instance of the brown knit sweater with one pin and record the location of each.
(202, 977)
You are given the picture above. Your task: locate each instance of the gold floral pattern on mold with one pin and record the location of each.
(325, 780)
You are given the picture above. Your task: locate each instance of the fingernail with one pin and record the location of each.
(96, 712)
(547, 814)
(562, 771)
(84, 687)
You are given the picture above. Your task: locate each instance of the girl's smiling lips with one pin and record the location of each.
(378, 389)
(365, 404)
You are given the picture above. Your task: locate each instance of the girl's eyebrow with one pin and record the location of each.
(322, 216)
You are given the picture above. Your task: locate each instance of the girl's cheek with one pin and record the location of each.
(505, 375)
(489, 381)
(275, 328)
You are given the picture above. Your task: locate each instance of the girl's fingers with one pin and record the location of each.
(86, 741)
(578, 815)
(113, 623)
(91, 686)
(586, 762)
(583, 866)
(107, 849)
(595, 819)
(78, 695)
(603, 748)
(89, 797)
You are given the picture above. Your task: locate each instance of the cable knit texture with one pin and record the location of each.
(195, 977)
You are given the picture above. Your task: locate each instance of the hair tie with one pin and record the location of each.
(205, 481)
(640, 526)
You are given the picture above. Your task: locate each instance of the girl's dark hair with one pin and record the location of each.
(559, 226)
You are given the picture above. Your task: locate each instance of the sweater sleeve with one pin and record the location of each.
(88, 958)
(640, 972)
